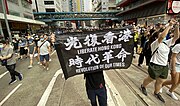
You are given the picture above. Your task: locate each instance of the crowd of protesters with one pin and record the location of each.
(36, 46)
(154, 42)
(159, 44)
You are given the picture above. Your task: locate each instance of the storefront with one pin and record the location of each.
(151, 11)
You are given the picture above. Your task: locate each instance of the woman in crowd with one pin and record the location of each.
(158, 67)
(175, 68)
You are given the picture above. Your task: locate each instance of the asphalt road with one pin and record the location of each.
(48, 88)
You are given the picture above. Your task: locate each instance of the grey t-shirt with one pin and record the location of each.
(44, 48)
(6, 51)
(31, 48)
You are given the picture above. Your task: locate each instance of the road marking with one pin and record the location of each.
(48, 90)
(109, 98)
(8, 96)
(116, 94)
(2, 75)
(53, 52)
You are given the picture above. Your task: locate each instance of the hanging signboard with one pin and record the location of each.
(90, 52)
(173, 6)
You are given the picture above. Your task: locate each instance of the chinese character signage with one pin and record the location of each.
(95, 51)
(173, 6)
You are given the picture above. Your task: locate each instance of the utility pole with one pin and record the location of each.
(6, 21)
(1, 30)
(37, 10)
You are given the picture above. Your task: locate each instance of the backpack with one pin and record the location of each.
(170, 51)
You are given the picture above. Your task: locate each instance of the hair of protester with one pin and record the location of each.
(4, 41)
(177, 41)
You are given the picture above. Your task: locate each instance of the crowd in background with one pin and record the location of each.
(159, 44)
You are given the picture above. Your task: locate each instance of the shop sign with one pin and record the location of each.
(173, 6)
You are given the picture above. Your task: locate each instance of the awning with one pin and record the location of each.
(155, 8)
(21, 19)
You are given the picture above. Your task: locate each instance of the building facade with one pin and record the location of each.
(46, 5)
(19, 15)
(78, 5)
(66, 5)
(148, 11)
(104, 5)
(51, 6)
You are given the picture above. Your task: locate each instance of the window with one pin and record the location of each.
(50, 10)
(14, 1)
(14, 13)
(26, 4)
(49, 2)
(34, 10)
(28, 16)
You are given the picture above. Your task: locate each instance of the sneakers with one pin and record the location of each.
(30, 66)
(38, 62)
(20, 77)
(50, 60)
(172, 95)
(143, 89)
(12, 81)
(158, 96)
(47, 68)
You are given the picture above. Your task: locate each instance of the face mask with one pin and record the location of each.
(30, 42)
(1, 46)
(42, 39)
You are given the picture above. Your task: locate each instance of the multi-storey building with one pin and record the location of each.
(148, 11)
(46, 6)
(66, 6)
(20, 16)
(104, 5)
(50, 6)
(78, 5)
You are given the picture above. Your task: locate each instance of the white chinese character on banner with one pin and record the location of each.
(122, 54)
(73, 42)
(78, 61)
(125, 35)
(91, 40)
(108, 56)
(93, 58)
(108, 38)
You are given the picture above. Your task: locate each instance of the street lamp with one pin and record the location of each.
(6, 21)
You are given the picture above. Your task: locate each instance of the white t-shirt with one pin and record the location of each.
(176, 49)
(44, 48)
(160, 57)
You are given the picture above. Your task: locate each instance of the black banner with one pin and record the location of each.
(94, 51)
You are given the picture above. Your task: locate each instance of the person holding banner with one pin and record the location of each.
(95, 87)
(158, 67)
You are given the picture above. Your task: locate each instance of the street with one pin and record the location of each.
(40, 87)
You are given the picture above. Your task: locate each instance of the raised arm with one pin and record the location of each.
(176, 33)
(165, 32)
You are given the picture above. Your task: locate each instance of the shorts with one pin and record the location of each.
(46, 57)
(158, 71)
(22, 51)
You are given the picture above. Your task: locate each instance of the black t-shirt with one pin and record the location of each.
(94, 80)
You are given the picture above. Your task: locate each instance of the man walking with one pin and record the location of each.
(44, 50)
(9, 61)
